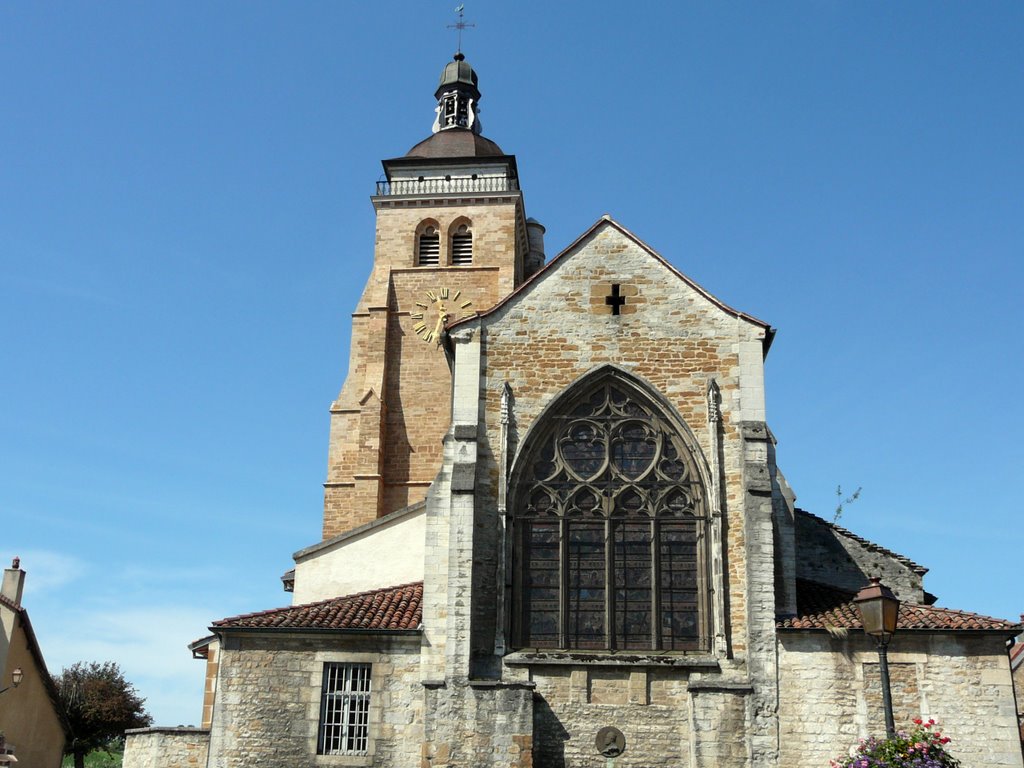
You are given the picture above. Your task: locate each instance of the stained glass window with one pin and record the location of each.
(610, 517)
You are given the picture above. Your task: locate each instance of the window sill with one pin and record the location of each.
(345, 760)
(614, 659)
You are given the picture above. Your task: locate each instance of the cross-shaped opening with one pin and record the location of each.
(615, 300)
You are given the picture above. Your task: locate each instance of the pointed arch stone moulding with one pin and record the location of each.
(609, 502)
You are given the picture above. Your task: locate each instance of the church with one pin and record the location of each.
(555, 532)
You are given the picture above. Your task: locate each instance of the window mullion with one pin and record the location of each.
(656, 641)
(609, 581)
(563, 583)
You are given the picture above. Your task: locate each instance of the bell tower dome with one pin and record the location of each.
(457, 97)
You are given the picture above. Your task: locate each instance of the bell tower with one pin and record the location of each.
(452, 239)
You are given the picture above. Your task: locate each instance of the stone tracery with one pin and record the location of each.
(610, 519)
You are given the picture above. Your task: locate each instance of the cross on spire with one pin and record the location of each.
(460, 24)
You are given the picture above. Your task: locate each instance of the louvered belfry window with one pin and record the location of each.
(429, 247)
(344, 710)
(462, 246)
(609, 523)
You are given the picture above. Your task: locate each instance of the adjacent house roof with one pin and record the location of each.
(870, 545)
(823, 607)
(382, 610)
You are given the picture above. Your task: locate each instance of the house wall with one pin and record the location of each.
(166, 748)
(210, 683)
(268, 699)
(28, 717)
(830, 694)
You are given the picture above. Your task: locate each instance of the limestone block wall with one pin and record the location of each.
(166, 748)
(830, 694)
(484, 725)
(677, 340)
(268, 699)
(651, 708)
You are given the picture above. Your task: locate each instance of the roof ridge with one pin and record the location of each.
(916, 567)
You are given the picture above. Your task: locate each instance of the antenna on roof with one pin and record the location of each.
(460, 25)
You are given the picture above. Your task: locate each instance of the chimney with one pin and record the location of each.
(14, 582)
(535, 257)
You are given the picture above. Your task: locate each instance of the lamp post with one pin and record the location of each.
(16, 677)
(879, 611)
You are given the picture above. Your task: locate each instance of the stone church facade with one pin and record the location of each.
(555, 532)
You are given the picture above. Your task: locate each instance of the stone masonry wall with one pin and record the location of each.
(676, 340)
(166, 748)
(479, 725)
(651, 708)
(385, 448)
(830, 694)
(268, 700)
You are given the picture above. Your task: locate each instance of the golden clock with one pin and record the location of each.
(439, 308)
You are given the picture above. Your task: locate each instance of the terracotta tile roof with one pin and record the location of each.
(392, 608)
(918, 569)
(823, 607)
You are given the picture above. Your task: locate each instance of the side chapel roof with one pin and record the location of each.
(867, 544)
(381, 610)
(826, 608)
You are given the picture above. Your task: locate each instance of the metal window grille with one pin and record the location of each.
(344, 710)
(462, 247)
(430, 248)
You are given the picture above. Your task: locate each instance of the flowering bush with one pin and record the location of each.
(922, 747)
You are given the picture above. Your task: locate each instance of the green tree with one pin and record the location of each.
(101, 704)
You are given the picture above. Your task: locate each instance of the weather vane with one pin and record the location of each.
(460, 24)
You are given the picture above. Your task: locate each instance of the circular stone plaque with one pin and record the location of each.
(610, 742)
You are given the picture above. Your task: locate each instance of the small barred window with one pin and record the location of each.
(344, 710)
(462, 246)
(429, 247)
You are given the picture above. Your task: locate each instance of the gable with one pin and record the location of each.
(609, 270)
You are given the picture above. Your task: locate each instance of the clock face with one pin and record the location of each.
(438, 308)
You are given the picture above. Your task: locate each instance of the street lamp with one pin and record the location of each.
(879, 611)
(16, 677)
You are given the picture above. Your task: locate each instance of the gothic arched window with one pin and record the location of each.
(609, 514)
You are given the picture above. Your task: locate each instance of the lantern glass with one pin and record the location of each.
(879, 610)
(17, 676)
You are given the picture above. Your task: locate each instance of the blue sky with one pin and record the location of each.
(185, 228)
